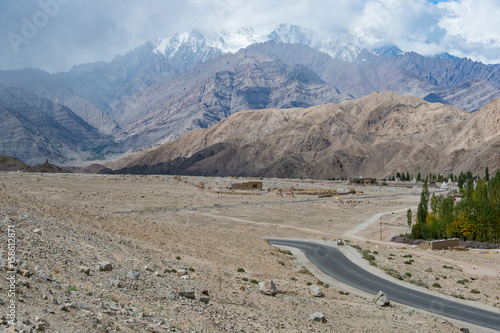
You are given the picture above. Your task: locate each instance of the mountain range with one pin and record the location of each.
(377, 135)
(165, 88)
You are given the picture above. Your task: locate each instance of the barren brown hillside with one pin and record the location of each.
(377, 135)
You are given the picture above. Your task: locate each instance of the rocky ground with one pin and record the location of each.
(119, 253)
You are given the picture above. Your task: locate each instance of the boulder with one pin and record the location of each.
(318, 316)
(182, 272)
(104, 266)
(133, 275)
(268, 288)
(316, 291)
(187, 294)
(172, 295)
(205, 300)
(381, 299)
(115, 283)
(84, 269)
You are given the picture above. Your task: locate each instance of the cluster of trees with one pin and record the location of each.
(476, 217)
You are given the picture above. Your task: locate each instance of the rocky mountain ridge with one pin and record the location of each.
(377, 135)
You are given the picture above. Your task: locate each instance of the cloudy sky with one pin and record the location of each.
(55, 34)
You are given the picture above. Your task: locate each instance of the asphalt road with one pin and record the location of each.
(333, 263)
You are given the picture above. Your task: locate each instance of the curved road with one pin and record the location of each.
(333, 263)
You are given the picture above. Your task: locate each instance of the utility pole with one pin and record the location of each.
(380, 228)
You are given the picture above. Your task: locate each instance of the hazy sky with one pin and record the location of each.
(55, 34)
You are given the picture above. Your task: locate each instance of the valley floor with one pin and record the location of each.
(165, 235)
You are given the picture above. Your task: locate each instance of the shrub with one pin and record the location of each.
(461, 282)
(475, 291)
(436, 285)
(287, 252)
(241, 270)
(408, 274)
(304, 270)
(178, 258)
(245, 279)
(254, 281)
(191, 269)
(447, 267)
(393, 273)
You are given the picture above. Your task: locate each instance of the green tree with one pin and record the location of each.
(419, 177)
(423, 206)
(409, 218)
(487, 174)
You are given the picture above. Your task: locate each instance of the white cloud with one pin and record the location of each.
(472, 29)
(91, 30)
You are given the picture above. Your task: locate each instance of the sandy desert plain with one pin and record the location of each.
(165, 235)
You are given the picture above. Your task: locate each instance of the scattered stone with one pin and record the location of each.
(55, 301)
(83, 306)
(133, 275)
(268, 288)
(148, 268)
(37, 231)
(205, 300)
(318, 316)
(316, 291)
(104, 266)
(64, 308)
(25, 272)
(25, 283)
(84, 269)
(465, 330)
(205, 292)
(182, 272)
(115, 283)
(45, 276)
(408, 310)
(158, 274)
(187, 294)
(439, 320)
(114, 306)
(185, 277)
(172, 295)
(381, 299)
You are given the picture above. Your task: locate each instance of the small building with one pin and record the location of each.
(247, 186)
(439, 244)
(363, 181)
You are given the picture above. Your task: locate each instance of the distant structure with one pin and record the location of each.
(363, 181)
(439, 244)
(247, 186)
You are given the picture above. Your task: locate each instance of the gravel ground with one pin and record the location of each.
(174, 238)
